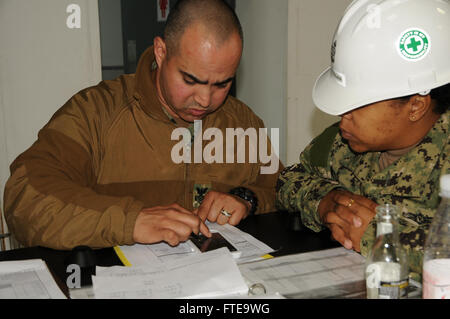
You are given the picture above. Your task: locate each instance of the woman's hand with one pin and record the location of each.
(347, 215)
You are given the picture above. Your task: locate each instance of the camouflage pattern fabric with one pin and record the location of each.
(411, 183)
(200, 191)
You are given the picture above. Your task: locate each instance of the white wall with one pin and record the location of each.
(261, 78)
(311, 27)
(287, 45)
(42, 64)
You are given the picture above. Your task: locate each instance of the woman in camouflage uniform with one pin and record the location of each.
(392, 143)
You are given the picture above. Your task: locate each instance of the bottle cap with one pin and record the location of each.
(387, 211)
(445, 186)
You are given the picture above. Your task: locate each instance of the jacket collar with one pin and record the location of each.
(146, 92)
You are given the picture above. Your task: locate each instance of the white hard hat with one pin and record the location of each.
(383, 50)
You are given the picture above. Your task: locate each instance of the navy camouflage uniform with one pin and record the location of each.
(411, 183)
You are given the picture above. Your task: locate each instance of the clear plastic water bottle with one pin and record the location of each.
(436, 260)
(387, 266)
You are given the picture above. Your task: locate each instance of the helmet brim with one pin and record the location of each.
(333, 98)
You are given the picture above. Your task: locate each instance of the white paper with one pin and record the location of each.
(205, 275)
(157, 254)
(249, 248)
(27, 279)
(319, 274)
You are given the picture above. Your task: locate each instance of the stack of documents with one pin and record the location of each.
(248, 247)
(160, 270)
(207, 275)
(27, 279)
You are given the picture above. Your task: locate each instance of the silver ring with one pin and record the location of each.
(225, 213)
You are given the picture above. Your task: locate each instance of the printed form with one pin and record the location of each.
(27, 279)
(207, 275)
(331, 273)
(249, 248)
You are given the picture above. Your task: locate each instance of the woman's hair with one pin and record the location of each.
(442, 97)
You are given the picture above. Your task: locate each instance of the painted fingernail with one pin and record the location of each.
(357, 222)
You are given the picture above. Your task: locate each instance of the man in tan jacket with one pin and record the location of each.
(102, 172)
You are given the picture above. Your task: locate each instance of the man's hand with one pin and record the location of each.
(172, 224)
(214, 202)
(347, 215)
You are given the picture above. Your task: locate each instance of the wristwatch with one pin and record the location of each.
(248, 195)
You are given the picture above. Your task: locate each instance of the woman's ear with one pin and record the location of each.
(160, 50)
(419, 105)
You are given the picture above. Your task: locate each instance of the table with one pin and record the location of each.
(280, 230)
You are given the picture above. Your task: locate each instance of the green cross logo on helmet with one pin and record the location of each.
(414, 45)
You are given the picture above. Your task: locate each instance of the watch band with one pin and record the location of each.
(248, 195)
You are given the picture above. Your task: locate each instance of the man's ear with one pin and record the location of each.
(419, 105)
(160, 50)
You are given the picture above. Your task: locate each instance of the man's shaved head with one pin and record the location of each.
(216, 16)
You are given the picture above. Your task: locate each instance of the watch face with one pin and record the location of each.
(248, 195)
